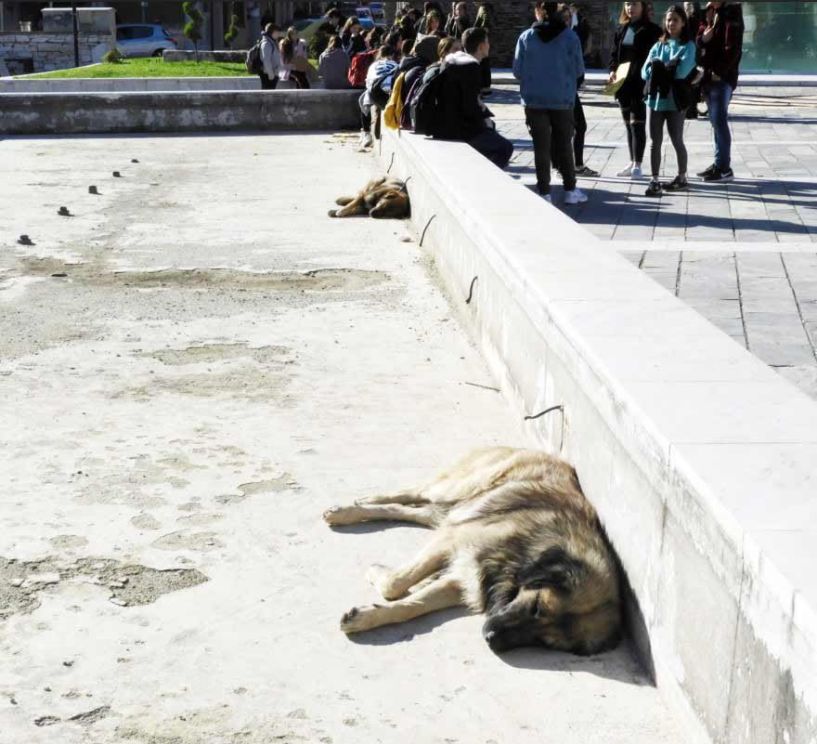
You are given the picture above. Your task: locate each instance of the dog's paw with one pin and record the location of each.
(359, 619)
(333, 213)
(340, 515)
(380, 577)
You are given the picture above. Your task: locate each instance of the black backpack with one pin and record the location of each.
(424, 101)
(253, 62)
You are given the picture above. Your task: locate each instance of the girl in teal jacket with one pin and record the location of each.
(671, 59)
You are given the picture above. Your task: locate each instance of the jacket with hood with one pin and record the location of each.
(270, 56)
(548, 64)
(461, 115)
(333, 68)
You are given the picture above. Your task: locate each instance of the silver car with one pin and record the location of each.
(143, 39)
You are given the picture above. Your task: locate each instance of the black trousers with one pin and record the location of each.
(552, 129)
(493, 146)
(266, 82)
(634, 113)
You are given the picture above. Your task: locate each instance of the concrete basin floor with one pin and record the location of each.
(194, 365)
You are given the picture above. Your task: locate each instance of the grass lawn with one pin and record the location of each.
(151, 67)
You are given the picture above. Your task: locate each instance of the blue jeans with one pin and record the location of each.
(718, 97)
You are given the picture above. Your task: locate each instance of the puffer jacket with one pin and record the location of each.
(461, 114)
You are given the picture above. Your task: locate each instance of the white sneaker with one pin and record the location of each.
(636, 173)
(366, 139)
(627, 172)
(577, 196)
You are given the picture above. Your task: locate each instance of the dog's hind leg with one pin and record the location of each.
(407, 498)
(354, 207)
(395, 584)
(340, 515)
(438, 595)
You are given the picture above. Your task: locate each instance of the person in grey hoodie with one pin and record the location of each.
(270, 57)
(333, 66)
(548, 63)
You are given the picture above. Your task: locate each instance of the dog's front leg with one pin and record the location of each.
(357, 513)
(395, 584)
(438, 595)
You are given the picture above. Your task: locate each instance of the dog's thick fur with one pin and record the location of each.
(383, 198)
(515, 539)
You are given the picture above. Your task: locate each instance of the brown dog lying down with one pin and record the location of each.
(383, 198)
(515, 539)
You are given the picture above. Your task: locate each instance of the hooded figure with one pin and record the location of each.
(548, 64)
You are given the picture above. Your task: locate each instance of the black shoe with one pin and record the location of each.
(677, 184)
(720, 176)
(711, 169)
(654, 189)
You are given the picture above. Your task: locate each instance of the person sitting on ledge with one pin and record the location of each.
(333, 66)
(462, 115)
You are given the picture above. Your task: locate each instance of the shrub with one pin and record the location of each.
(113, 57)
(192, 29)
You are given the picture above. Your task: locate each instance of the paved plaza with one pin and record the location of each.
(743, 254)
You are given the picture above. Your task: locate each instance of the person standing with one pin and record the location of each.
(579, 121)
(632, 43)
(485, 20)
(669, 63)
(720, 43)
(694, 19)
(549, 99)
(458, 21)
(270, 57)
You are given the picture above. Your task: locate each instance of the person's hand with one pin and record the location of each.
(611, 78)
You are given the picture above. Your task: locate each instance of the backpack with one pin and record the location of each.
(405, 114)
(378, 94)
(253, 62)
(358, 69)
(424, 103)
(393, 113)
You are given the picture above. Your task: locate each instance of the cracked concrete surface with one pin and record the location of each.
(220, 363)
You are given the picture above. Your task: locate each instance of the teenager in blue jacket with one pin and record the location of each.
(548, 63)
(668, 64)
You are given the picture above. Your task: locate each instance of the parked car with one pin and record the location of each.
(143, 39)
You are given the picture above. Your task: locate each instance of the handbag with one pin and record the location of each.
(622, 71)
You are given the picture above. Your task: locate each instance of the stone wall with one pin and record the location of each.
(41, 52)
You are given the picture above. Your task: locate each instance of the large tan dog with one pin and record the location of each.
(515, 539)
(383, 198)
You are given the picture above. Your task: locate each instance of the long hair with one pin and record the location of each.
(287, 50)
(646, 12)
(681, 13)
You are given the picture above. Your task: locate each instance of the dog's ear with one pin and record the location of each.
(553, 569)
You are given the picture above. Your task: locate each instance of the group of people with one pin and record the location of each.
(283, 57)
(664, 70)
(661, 69)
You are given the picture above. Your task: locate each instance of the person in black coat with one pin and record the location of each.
(458, 21)
(634, 38)
(462, 115)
